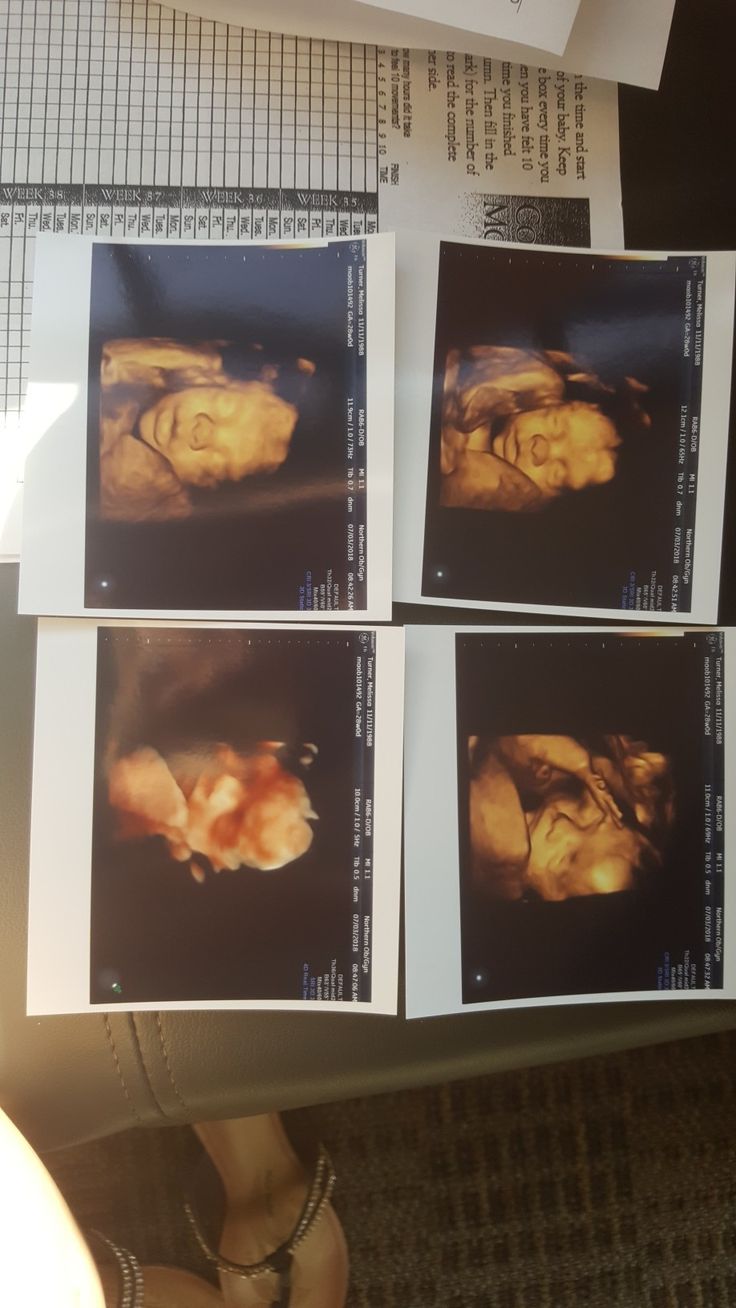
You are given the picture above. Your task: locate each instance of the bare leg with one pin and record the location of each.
(266, 1187)
(165, 1287)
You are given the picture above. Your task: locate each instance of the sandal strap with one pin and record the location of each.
(279, 1261)
(130, 1287)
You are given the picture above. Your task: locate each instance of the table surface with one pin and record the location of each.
(57, 1076)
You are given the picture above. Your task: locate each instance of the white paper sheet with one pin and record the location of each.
(158, 124)
(501, 151)
(79, 546)
(621, 40)
(682, 568)
(542, 23)
(127, 950)
(469, 948)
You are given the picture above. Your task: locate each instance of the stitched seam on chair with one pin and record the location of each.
(165, 1053)
(119, 1069)
(144, 1069)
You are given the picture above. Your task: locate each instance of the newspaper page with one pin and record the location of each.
(127, 119)
(217, 818)
(567, 820)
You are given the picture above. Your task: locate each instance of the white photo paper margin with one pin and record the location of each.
(54, 498)
(62, 813)
(417, 277)
(431, 859)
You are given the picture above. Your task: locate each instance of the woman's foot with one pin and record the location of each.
(274, 1206)
(164, 1287)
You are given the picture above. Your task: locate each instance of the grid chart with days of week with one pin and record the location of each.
(125, 118)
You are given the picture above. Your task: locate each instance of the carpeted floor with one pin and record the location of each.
(609, 1182)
